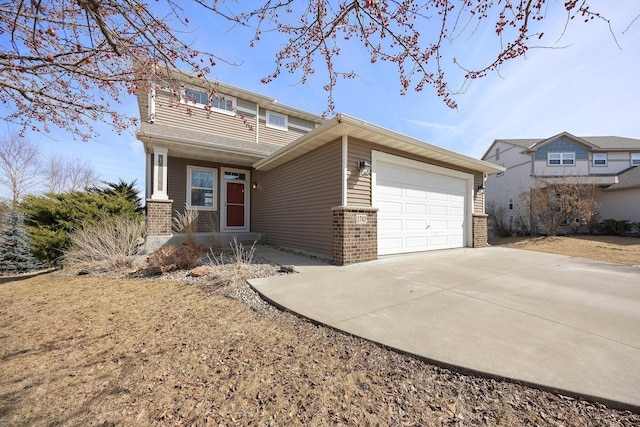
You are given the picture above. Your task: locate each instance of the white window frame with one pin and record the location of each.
(511, 202)
(501, 173)
(635, 159)
(214, 204)
(597, 157)
(228, 100)
(274, 126)
(562, 158)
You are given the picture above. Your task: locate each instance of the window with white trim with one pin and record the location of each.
(501, 172)
(196, 97)
(635, 159)
(224, 103)
(512, 202)
(276, 121)
(561, 159)
(599, 159)
(217, 102)
(201, 188)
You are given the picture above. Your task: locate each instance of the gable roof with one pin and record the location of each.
(595, 143)
(343, 124)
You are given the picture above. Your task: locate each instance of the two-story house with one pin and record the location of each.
(610, 163)
(343, 188)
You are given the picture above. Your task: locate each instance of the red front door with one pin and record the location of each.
(235, 204)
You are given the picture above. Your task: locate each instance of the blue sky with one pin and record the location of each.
(583, 84)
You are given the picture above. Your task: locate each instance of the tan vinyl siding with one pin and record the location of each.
(177, 190)
(277, 136)
(358, 187)
(361, 150)
(478, 199)
(170, 112)
(293, 202)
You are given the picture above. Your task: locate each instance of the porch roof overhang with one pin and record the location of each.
(343, 125)
(200, 145)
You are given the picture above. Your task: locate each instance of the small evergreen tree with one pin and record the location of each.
(16, 255)
(50, 219)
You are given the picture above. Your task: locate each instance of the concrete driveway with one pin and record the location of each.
(556, 322)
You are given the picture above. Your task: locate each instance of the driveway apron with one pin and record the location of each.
(561, 323)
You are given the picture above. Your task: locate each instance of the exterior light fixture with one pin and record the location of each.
(364, 167)
(480, 189)
(254, 185)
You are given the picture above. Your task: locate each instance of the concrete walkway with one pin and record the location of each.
(556, 322)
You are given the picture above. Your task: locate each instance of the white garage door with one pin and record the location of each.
(418, 210)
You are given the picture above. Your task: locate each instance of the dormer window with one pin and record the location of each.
(599, 159)
(276, 121)
(561, 159)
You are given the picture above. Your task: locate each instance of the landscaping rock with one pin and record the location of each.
(201, 271)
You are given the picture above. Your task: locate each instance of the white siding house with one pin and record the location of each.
(610, 163)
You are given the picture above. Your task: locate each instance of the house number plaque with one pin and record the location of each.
(361, 219)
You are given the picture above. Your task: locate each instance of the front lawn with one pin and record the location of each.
(105, 351)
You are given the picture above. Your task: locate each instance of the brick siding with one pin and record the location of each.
(159, 217)
(355, 234)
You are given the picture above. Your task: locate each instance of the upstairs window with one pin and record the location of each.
(197, 97)
(635, 159)
(512, 202)
(501, 172)
(277, 121)
(561, 159)
(224, 103)
(599, 159)
(200, 98)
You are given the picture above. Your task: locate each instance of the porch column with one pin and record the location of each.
(160, 174)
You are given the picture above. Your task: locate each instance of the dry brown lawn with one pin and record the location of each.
(621, 250)
(106, 351)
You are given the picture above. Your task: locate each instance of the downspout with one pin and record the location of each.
(151, 104)
(257, 122)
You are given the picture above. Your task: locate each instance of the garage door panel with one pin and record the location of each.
(418, 210)
(415, 193)
(389, 191)
(388, 245)
(417, 225)
(390, 225)
(390, 207)
(416, 243)
(438, 210)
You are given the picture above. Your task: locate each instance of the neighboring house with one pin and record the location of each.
(343, 188)
(610, 163)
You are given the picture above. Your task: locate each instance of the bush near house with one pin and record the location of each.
(52, 218)
(614, 227)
